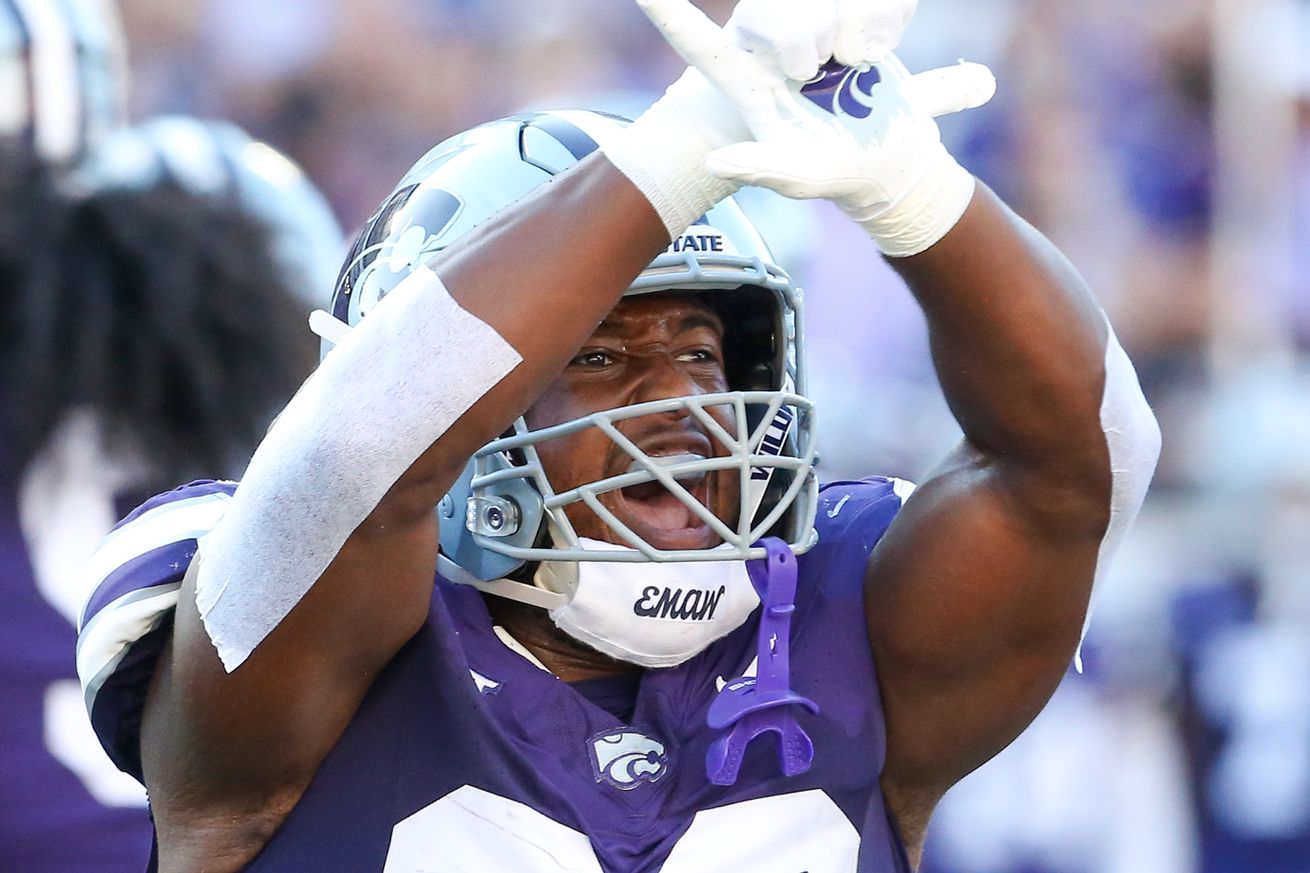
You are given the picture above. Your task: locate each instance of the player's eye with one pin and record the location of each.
(703, 355)
(593, 359)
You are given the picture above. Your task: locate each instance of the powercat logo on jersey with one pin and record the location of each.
(682, 604)
(626, 759)
(704, 240)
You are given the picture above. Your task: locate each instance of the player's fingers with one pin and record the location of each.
(868, 31)
(744, 162)
(858, 49)
(800, 60)
(699, 41)
(788, 37)
(946, 90)
(771, 165)
(855, 45)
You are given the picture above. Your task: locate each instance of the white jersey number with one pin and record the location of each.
(471, 829)
(66, 507)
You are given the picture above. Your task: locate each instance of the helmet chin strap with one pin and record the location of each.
(508, 588)
(649, 614)
(328, 327)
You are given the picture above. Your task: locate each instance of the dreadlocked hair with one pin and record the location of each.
(33, 217)
(169, 317)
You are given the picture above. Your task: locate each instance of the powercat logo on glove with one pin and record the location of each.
(842, 90)
(682, 604)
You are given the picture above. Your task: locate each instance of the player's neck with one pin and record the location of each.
(564, 656)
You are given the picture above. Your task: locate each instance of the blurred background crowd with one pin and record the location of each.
(1165, 147)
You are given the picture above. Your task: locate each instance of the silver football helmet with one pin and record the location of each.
(63, 74)
(503, 512)
(219, 159)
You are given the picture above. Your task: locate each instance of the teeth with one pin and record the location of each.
(666, 461)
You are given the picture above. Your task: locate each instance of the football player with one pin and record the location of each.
(633, 634)
(154, 323)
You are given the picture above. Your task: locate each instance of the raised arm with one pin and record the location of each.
(978, 592)
(977, 595)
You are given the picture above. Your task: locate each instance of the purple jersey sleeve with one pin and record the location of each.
(832, 661)
(854, 515)
(852, 518)
(133, 579)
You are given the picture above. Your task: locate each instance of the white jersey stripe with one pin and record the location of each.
(903, 488)
(102, 643)
(174, 522)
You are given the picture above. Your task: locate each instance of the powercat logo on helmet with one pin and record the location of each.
(689, 604)
(702, 239)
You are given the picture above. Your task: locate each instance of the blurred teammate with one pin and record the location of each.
(152, 329)
(670, 664)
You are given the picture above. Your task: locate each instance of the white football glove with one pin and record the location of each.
(799, 37)
(664, 151)
(864, 139)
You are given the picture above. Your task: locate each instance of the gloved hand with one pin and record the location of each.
(864, 139)
(664, 151)
(797, 38)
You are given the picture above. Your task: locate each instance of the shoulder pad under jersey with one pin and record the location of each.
(851, 520)
(866, 506)
(132, 584)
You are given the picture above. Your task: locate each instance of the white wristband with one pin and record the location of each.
(927, 213)
(663, 152)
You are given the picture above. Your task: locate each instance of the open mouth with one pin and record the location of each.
(660, 517)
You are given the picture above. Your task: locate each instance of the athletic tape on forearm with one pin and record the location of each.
(927, 213)
(1133, 438)
(393, 385)
(663, 152)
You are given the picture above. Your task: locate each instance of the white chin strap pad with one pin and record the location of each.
(1133, 438)
(650, 614)
(394, 384)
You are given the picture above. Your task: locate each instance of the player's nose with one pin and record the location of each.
(662, 377)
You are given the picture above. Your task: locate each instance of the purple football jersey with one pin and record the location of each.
(63, 807)
(465, 755)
